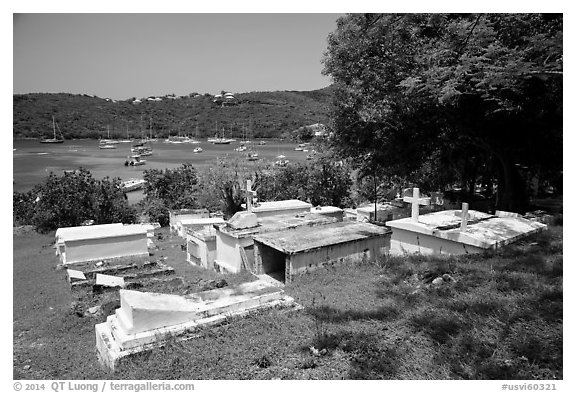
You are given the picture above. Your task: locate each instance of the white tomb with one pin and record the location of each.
(454, 232)
(196, 223)
(201, 246)
(234, 240)
(94, 242)
(329, 211)
(280, 208)
(183, 214)
(67, 231)
(146, 320)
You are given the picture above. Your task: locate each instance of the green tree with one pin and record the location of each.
(223, 184)
(70, 200)
(321, 181)
(111, 204)
(465, 96)
(175, 188)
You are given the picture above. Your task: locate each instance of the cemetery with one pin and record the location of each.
(418, 237)
(140, 303)
(112, 272)
(153, 304)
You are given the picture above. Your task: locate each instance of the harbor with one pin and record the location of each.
(33, 162)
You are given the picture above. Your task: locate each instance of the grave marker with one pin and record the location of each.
(416, 201)
(75, 275)
(249, 195)
(464, 222)
(109, 281)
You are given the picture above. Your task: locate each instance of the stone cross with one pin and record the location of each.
(249, 195)
(464, 222)
(416, 201)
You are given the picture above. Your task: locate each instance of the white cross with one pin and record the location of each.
(415, 200)
(464, 222)
(249, 195)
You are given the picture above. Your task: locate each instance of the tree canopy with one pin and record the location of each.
(445, 99)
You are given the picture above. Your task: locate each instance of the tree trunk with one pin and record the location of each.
(512, 195)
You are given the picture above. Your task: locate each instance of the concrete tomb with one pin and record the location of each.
(455, 232)
(280, 208)
(384, 212)
(196, 223)
(282, 255)
(273, 208)
(329, 211)
(146, 320)
(235, 244)
(61, 233)
(201, 246)
(183, 214)
(89, 243)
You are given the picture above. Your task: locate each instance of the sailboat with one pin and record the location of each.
(221, 140)
(108, 143)
(151, 139)
(252, 154)
(53, 140)
(127, 140)
(195, 140)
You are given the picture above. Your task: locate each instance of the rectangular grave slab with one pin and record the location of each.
(75, 276)
(109, 281)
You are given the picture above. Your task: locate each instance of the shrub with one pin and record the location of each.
(71, 199)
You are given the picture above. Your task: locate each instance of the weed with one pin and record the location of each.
(262, 361)
(440, 325)
(308, 364)
(537, 341)
(374, 364)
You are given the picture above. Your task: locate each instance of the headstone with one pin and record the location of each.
(464, 222)
(243, 220)
(416, 201)
(109, 281)
(250, 194)
(75, 275)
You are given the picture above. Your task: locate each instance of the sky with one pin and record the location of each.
(119, 56)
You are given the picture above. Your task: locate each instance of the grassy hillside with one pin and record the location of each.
(501, 318)
(270, 114)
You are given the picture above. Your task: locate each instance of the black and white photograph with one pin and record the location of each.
(230, 194)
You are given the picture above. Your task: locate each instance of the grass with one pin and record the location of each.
(501, 318)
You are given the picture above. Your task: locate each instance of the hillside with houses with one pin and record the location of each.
(264, 114)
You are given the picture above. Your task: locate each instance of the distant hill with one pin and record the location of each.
(263, 114)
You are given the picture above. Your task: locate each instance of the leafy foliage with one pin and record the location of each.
(460, 97)
(321, 181)
(223, 185)
(176, 188)
(71, 199)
